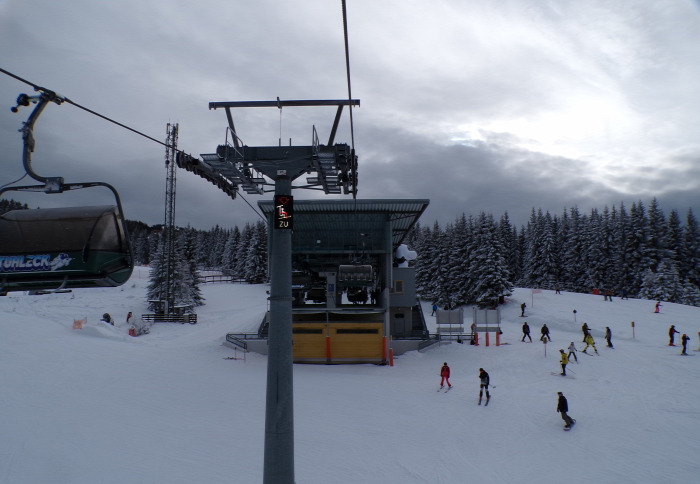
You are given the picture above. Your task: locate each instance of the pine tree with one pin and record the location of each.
(230, 256)
(187, 244)
(662, 285)
(157, 290)
(256, 255)
(491, 276)
(540, 264)
(426, 262)
(691, 246)
(460, 268)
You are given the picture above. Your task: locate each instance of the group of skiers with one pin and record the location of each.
(544, 331)
(485, 382)
(566, 356)
(587, 338)
(684, 339)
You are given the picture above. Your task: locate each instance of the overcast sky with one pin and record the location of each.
(476, 105)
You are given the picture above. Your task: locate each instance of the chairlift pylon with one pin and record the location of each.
(59, 248)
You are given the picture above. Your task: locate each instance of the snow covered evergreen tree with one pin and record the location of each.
(256, 255)
(157, 284)
(181, 287)
(691, 250)
(230, 256)
(191, 293)
(489, 268)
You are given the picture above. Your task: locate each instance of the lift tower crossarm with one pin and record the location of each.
(340, 103)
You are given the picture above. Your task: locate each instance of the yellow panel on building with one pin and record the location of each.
(340, 339)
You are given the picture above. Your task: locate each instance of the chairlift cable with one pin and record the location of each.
(42, 89)
(347, 70)
(13, 182)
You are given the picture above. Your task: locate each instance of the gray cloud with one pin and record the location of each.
(475, 106)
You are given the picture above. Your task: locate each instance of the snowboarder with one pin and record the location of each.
(590, 342)
(608, 337)
(526, 332)
(484, 385)
(657, 307)
(545, 333)
(445, 375)
(672, 331)
(522, 310)
(584, 330)
(564, 361)
(572, 352)
(563, 408)
(684, 342)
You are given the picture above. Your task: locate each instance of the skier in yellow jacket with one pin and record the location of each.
(564, 361)
(590, 342)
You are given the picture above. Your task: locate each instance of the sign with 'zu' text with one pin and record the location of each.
(284, 212)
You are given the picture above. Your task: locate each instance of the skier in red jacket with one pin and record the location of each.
(445, 375)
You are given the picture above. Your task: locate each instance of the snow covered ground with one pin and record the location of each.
(98, 406)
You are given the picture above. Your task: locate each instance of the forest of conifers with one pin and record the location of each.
(639, 252)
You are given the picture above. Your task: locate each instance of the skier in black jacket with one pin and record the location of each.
(484, 385)
(563, 408)
(545, 333)
(684, 342)
(526, 332)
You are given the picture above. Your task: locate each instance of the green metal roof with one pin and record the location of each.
(342, 225)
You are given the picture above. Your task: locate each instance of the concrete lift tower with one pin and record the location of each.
(332, 168)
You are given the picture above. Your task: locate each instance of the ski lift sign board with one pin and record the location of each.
(284, 212)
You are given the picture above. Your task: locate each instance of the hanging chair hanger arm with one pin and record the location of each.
(41, 100)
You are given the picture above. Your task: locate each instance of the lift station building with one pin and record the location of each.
(354, 297)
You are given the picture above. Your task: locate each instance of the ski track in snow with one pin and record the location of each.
(95, 405)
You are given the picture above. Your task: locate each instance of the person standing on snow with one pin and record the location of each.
(684, 342)
(445, 375)
(563, 408)
(545, 333)
(484, 385)
(657, 307)
(564, 361)
(608, 337)
(672, 331)
(584, 330)
(526, 332)
(590, 342)
(572, 352)
(522, 310)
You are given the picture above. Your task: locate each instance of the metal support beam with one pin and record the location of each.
(281, 104)
(279, 410)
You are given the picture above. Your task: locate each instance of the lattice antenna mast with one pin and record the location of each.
(169, 236)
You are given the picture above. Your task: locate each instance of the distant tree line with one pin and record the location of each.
(7, 205)
(641, 253)
(241, 254)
